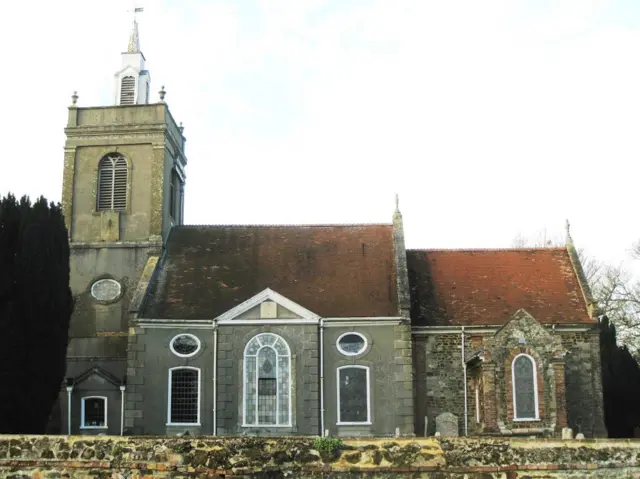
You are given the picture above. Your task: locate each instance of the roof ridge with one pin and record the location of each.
(523, 249)
(281, 225)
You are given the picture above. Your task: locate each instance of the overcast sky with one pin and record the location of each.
(488, 118)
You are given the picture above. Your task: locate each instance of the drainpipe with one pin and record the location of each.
(123, 387)
(464, 372)
(215, 378)
(69, 390)
(322, 377)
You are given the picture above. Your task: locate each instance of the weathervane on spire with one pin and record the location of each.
(134, 38)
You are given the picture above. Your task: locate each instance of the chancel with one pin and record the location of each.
(298, 329)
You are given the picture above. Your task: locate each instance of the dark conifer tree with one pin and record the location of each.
(620, 384)
(35, 310)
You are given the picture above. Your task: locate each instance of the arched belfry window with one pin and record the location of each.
(128, 90)
(267, 381)
(525, 388)
(112, 183)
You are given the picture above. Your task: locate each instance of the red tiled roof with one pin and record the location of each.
(483, 287)
(333, 271)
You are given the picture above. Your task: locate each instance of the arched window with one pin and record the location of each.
(93, 412)
(525, 388)
(184, 396)
(267, 381)
(128, 90)
(112, 183)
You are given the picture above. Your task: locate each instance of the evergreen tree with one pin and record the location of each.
(35, 310)
(620, 383)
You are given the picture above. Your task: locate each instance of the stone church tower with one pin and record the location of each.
(123, 190)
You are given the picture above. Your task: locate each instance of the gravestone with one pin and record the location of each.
(447, 424)
(567, 433)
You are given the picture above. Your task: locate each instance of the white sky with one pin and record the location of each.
(488, 118)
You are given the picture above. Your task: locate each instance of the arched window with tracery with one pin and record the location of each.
(112, 183)
(525, 388)
(267, 381)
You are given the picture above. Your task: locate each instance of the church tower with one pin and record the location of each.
(123, 190)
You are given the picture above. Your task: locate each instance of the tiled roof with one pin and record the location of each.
(332, 270)
(483, 287)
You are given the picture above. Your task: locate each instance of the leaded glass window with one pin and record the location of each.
(184, 396)
(525, 389)
(267, 381)
(94, 412)
(353, 395)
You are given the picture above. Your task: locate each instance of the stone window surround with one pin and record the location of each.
(198, 421)
(508, 387)
(190, 355)
(535, 388)
(359, 353)
(110, 150)
(350, 423)
(243, 424)
(82, 412)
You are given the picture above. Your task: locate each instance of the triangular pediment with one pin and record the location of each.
(268, 305)
(523, 329)
(97, 372)
(127, 69)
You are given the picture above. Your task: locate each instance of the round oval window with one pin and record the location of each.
(106, 289)
(185, 345)
(352, 344)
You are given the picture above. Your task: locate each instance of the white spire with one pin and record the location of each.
(132, 80)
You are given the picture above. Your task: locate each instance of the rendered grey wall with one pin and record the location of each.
(146, 411)
(387, 398)
(303, 342)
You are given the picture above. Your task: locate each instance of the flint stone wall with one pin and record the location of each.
(45, 457)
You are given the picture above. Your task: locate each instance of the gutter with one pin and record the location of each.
(464, 372)
(322, 431)
(215, 378)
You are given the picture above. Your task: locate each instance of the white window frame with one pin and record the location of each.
(535, 389)
(135, 88)
(244, 382)
(342, 351)
(353, 423)
(190, 355)
(82, 411)
(197, 423)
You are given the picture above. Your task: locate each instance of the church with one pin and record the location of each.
(298, 329)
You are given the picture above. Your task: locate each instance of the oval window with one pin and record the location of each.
(106, 289)
(185, 345)
(352, 344)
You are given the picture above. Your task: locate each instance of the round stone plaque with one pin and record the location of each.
(106, 289)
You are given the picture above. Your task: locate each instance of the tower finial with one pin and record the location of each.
(397, 203)
(568, 239)
(134, 37)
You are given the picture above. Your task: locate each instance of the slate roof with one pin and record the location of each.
(485, 287)
(332, 270)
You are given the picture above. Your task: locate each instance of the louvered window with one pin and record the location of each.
(112, 183)
(127, 91)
